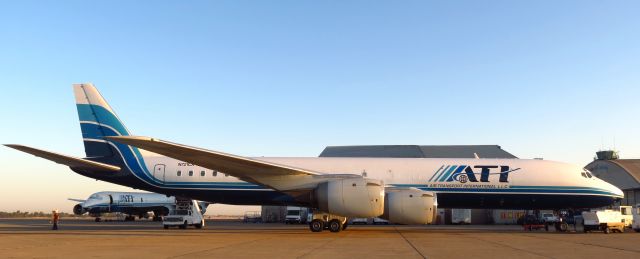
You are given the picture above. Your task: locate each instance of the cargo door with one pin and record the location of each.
(158, 172)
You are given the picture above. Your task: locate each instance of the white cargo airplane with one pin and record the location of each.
(130, 203)
(402, 190)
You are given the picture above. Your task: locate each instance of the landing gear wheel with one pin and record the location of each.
(200, 225)
(607, 230)
(184, 226)
(98, 219)
(335, 225)
(316, 225)
(564, 227)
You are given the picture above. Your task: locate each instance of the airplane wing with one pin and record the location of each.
(244, 168)
(78, 200)
(65, 160)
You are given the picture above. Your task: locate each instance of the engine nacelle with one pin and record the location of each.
(411, 207)
(78, 209)
(351, 197)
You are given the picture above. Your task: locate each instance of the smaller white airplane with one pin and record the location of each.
(130, 203)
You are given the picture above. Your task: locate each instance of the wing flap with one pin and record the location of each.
(70, 161)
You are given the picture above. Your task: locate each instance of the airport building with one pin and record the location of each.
(623, 173)
(416, 151)
(478, 216)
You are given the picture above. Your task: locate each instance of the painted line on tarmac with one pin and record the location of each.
(507, 246)
(586, 244)
(195, 253)
(320, 246)
(409, 242)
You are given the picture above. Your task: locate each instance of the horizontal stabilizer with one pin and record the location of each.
(70, 161)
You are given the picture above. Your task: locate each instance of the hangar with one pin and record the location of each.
(416, 151)
(623, 173)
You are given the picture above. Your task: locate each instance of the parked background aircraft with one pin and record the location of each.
(130, 203)
(403, 190)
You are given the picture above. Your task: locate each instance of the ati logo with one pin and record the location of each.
(478, 173)
(126, 198)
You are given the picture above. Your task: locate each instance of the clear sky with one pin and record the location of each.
(551, 79)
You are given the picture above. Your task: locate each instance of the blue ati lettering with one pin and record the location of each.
(477, 173)
(126, 198)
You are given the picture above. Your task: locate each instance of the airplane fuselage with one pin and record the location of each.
(132, 203)
(459, 183)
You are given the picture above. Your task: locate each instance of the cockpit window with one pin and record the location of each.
(93, 197)
(586, 174)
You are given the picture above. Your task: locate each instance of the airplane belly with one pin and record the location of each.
(242, 197)
(522, 201)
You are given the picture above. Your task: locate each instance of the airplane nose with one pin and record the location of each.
(616, 190)
(88, 204)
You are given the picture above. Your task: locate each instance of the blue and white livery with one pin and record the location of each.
(130, 203)
(402, 190)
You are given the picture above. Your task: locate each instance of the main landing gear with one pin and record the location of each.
(322, 221)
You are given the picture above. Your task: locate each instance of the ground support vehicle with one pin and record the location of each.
(531, 222)
(187, 213)
(627, 215)
(295, 215)
(252, 217)
(461, 216)
(321, 221)
(606, 221)
(548, 217)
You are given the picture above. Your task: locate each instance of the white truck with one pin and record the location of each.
(461, 216)
(187, 213)
(603, 220)
(627, 215)
(295, 215)
(548, 217)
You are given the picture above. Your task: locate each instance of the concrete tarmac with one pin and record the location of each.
(33, 238)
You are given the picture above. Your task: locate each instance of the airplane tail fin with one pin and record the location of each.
(97, 120)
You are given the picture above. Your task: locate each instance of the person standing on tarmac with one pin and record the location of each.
(54, 219)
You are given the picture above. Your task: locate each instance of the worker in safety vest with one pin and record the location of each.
(54, 219)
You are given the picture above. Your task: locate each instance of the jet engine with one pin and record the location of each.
(78, 209)
(351, 197)
(410, 206)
